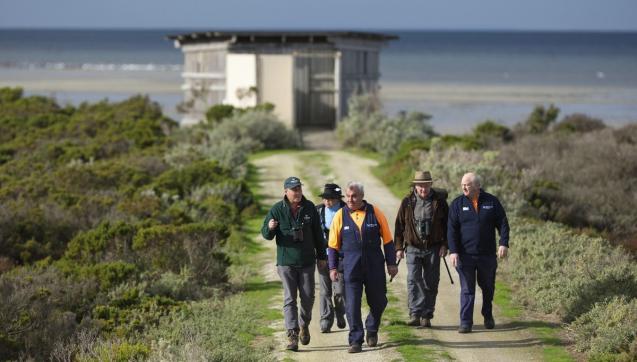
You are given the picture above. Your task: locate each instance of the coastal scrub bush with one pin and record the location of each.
(210, 330)
(553, 168)
(539, 120)
(367, 128)
(608, 332)
(579, 123)
(39, 306)
(585, 271)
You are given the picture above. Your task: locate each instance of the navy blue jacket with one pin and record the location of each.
(471, 232)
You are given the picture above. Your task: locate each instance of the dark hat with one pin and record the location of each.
(422, 177)
(331, 191)
(291, 182)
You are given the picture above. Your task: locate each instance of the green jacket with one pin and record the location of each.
(288, 251)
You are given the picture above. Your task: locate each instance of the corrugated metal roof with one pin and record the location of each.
(271, 36)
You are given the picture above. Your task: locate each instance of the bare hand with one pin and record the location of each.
(272, 224)
(399, 255)
(334, 275)
(453, 258)
(443, 251)
(392, 270)
(503, 251)
(322, 264)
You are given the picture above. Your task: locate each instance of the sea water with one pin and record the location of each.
(459, 78)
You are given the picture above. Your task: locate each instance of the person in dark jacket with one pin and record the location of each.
(421, 232)
(296, 226)
(332, 202)
(473, 219)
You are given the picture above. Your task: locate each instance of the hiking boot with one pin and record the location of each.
(425, 322)
(304, 336)
(489, 323)
(414, 321)
(464, 329)
(354, 348)
(293, 340)
(340, 321)
(371, 339)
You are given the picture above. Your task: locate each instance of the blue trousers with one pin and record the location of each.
(470, 268)
(376, 293)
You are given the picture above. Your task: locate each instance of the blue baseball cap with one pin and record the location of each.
(291, 182)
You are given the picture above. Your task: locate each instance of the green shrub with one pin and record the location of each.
(539, 120)
(365, 127)
(608, 331)
(218, 112)
(579, 123)
(170, 248)
(558, 271)
(211, 330)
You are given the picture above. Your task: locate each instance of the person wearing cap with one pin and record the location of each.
(474, 217)
(360, 231)
(420, 234)
(296, 226)
(332, 202)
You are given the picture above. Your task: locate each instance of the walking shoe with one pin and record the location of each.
(425, 322)
(371, 339)
(489, 323)
(464, 329)
(304, 336)
(414, 321)
(354, 348)
(340, 321)
(293, 340)
(325, 326)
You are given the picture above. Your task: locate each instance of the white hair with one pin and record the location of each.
(358, 186)
(477, 180)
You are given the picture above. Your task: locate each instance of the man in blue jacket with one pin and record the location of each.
(473, 219)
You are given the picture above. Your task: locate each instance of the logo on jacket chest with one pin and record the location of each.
(307, 218)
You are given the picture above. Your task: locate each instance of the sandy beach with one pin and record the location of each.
(455, 107)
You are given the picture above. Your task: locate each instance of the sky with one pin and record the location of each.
(562, 15)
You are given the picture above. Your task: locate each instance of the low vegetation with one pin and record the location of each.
(116, 224)
(565, 186)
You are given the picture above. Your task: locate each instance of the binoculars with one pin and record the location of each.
(297, 233)
(425, 228)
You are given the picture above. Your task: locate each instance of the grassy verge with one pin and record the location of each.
(553, 348)
(410, 346)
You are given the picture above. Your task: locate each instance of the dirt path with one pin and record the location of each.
(507, 342)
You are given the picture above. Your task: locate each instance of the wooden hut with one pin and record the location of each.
(308, 76)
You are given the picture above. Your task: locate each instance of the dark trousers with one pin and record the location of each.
(376, 293)
(329, 289)
(470, 268)
(423, 277)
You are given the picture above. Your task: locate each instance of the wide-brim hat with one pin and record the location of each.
(331, 191)
(422, 177)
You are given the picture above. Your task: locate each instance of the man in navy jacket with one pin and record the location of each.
(473, 219)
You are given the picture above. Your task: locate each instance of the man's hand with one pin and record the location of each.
(334, 275)
(443, 251)
(399, 255)
(272, 224)
(503, 251)
(392, 270)
(322, 264)
(453, 258)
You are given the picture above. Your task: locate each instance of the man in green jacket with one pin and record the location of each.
(296, 225)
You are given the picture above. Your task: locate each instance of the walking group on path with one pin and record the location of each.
(350, 243)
